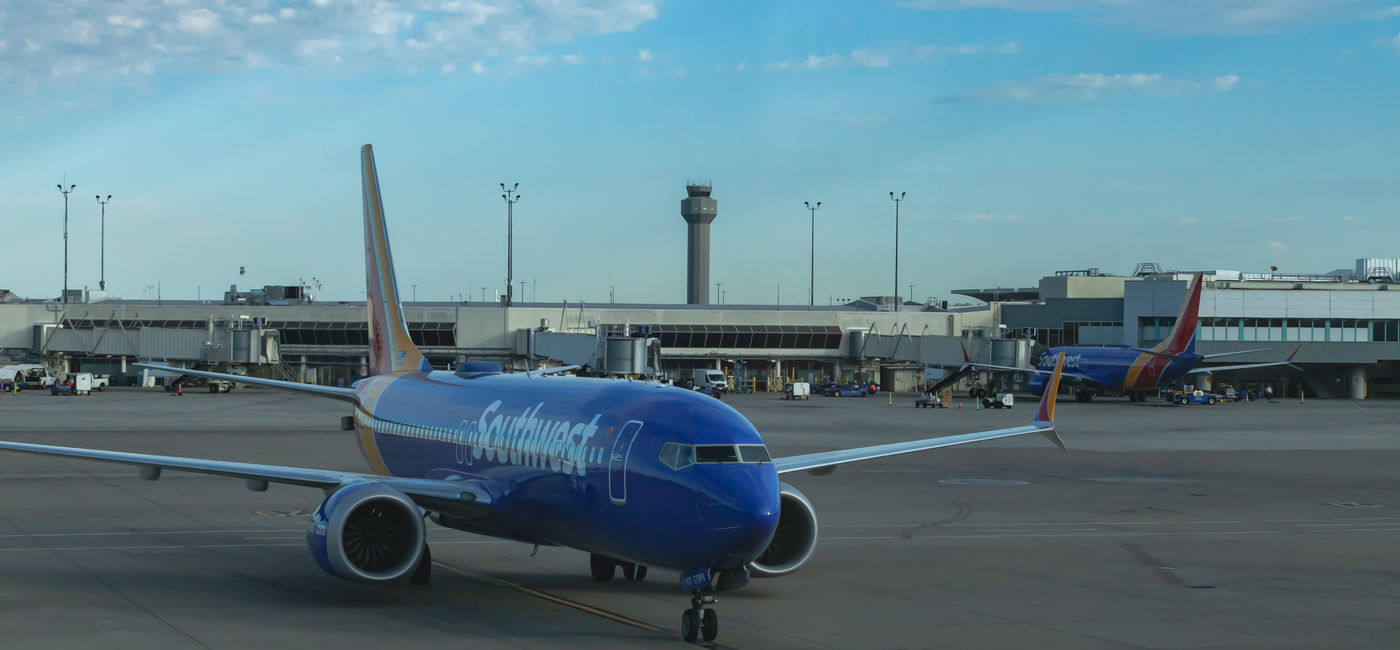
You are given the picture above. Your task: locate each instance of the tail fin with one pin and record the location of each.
(390, 348)
(1183, 336)
(1045, 415)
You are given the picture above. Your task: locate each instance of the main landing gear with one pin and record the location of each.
(700, 621)
(604, 568)
(424, 572)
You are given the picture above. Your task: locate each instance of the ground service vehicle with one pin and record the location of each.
(708, 380)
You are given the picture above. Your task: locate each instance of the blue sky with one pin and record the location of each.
(1030, 136)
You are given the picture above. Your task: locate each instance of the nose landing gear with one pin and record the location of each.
(700, 621)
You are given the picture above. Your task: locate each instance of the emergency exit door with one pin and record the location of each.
(617, 462)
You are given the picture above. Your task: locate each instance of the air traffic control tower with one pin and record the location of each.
(699, 210)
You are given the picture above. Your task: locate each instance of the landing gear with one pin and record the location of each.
(1084, 396)
(699, 621)
(424, 572)
(604, 568)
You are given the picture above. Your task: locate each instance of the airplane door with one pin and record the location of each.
(617, 461)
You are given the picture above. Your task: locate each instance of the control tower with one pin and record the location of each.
(699, 210)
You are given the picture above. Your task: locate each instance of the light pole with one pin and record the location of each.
(65, 237)
(896, 246)
(102, 282)
(812, 280)
(415, 293)
(719, 293)
(511, 199)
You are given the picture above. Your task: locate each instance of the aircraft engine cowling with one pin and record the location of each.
(794, 540)
(367, 532)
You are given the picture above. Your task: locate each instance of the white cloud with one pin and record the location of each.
(106, 39)
(1061, 88)
(478, 67)
(645, 55)
(197, 21)
(1225, 83)
(870, 58)
(1178, 16)
(574, 59)
(985, 216)
(448, 68)
(1384, 13)
(1278, 246)
(1392, 43)
(883, 58)
(1186, 220)
(741, 66)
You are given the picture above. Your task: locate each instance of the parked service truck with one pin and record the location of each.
(708, 380)
(27, 375)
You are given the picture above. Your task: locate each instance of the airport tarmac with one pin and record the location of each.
(1257, 525)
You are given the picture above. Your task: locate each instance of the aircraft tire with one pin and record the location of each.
(641, 573)
(709, 625)
(424, 572)
(690, 626)
(602, 567)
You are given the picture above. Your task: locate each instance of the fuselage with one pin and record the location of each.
(579, 462)
(1116, 369)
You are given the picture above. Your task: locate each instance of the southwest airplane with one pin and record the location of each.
(635, 473)
(1132, 371)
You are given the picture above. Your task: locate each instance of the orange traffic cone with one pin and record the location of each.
(180, 390)
(959, 405)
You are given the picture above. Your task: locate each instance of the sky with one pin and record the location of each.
(1028, 136)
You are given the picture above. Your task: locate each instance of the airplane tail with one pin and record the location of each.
(390, 348)
(1183, 336)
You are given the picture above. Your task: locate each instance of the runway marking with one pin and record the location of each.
(161, 532)
(1143, 533)
(177, 547)
(1163, 572)
(1116, 523)
(1377, 523)
(558, 600)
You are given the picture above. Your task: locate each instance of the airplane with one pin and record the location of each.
(634, 473)
(1132, 371)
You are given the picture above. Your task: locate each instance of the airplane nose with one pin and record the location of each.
(752, 520)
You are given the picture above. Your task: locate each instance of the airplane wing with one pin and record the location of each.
(825, 461)
(1231, 354)
(969, 366)
(346, 394)
(466, 497)
(1288, 361)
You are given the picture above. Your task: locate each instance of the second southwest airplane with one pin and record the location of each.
(1132, 371)
(636, 473)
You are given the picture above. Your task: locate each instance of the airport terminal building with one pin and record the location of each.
(1348, 330)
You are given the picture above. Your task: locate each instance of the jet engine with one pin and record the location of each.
(367, 532)
(794, 541)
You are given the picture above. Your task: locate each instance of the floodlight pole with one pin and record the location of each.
(896, 246)
(511, 199)
(65, 237)
(102, 281)
(812, 272)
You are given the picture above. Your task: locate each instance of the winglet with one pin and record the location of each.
(1290, 356)
(966, 359)
(1045, 415)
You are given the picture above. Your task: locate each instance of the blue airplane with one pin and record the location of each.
(1133, 371)
(635, 473)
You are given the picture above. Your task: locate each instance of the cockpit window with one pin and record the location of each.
(754, 454)
(677, 456)
(716, 454)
